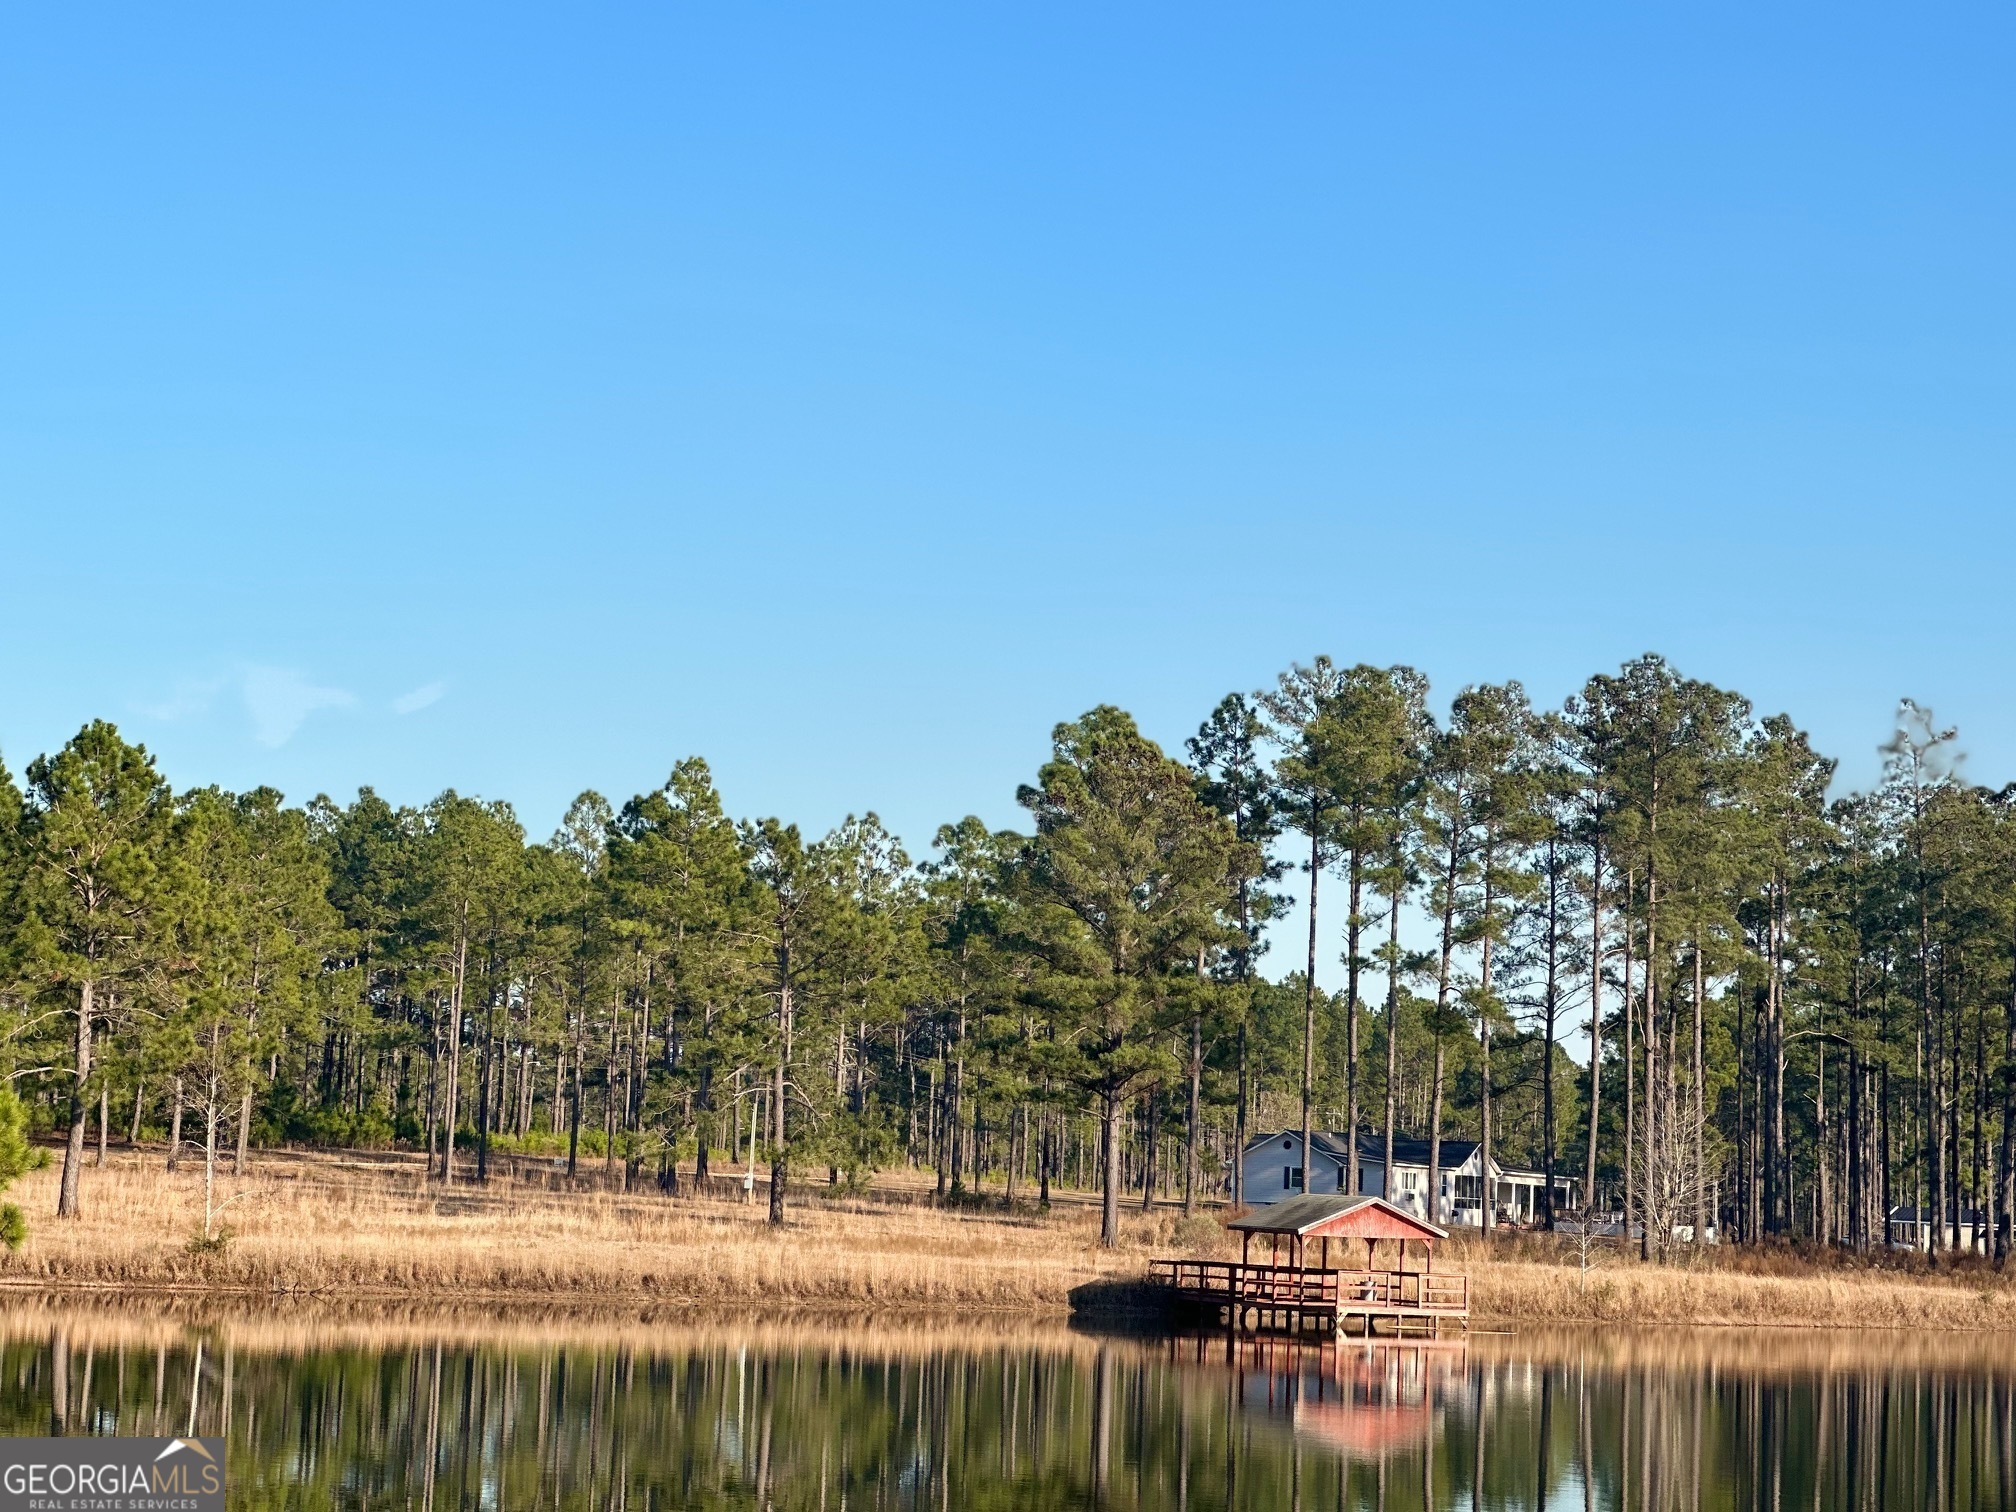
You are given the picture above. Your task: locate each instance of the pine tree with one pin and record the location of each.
(677, 872)
(468, 864)
(1234, 781)
(792, 934)
(1302, 708)
(1479, 813)
(1126, 879)
(83, 917)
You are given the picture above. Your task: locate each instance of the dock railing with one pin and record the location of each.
(1299, 1286)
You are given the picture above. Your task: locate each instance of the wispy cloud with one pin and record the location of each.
(189, 697)
(279, 700)
(419, 698)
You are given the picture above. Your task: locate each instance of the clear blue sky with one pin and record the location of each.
(521, 399)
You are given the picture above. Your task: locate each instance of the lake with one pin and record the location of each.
(390, 1410)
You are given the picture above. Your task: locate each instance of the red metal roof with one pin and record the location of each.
(1319, 1216)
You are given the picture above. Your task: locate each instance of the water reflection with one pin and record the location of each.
(379, 1412)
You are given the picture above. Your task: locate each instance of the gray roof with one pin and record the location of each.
(1298, 1215)
(1372, 1148)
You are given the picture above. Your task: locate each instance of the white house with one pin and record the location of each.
(1275, 1167)
(1911, 1228)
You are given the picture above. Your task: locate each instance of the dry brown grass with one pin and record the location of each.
(369, 1228)
(1625, 1291)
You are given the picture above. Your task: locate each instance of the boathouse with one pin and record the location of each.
(1313, 1271)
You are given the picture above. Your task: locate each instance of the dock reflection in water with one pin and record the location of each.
(432, 1413)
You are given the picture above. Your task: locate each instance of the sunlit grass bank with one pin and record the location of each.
(338, 1227)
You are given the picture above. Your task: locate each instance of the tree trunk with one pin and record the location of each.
(175, 1127)
(1352, 927)
(574, 1115)
(1193, 1111)
(1654, 1198)
(1309, 1000)
(210, 1160)
(1595, 1025)
(67, 1204)
(1045, 1155)
(1239, 1126)
(483, 1107)
(1434, 1205)
(1630, 1067)
(780, 1168)
(1700, 1107)
(1485, 1214)
(1392, 1037)
(1822, 1193)
(1550, 1010)
(1928, 1031)
(1433, 1210)
(244, 1134)
(942, 1104)
(609, 1098)
(454, 1086)
(1150, 1142)
(2005, 1169)
(1781, 1150)
(1857, 1153)
(1109, 1186)
(703, 1121)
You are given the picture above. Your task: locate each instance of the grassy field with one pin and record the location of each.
(370, 1227)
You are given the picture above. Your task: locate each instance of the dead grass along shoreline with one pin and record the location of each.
(372, 1227)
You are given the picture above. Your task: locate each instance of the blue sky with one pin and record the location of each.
(521, 400)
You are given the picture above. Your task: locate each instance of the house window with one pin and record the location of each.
(1291, 1177)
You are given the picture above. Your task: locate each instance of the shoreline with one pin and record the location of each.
(336, 1230)
(509, 1307)
(43, 1322)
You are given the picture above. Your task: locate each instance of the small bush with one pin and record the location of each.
(17, 1158)
(1198, 1235)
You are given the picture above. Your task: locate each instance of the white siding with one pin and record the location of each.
(1268, 1165)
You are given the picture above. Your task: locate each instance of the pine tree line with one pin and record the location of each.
(1805, 1006)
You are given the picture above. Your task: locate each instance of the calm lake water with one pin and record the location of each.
(384, 1412)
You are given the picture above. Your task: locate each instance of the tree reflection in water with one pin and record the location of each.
(436, 1415)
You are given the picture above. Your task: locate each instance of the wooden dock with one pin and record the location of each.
(1291, 1298)
(1247, 1297)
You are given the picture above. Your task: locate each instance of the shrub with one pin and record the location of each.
(16, 1159)
(1199, 1234)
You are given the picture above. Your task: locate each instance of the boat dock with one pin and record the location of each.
(1294, 1295)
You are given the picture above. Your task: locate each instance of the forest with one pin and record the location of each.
(1637, 940)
